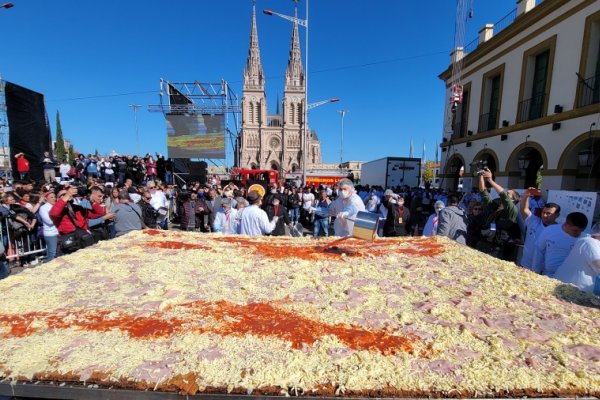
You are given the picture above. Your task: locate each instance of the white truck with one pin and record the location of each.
(391, 172)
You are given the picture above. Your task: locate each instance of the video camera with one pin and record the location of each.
(479, 167)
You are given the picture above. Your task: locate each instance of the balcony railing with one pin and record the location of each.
(532, 108)
(459, 129)
(488, 121)
(589, 91)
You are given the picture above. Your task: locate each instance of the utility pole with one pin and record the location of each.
(343, 114)
(137, 139)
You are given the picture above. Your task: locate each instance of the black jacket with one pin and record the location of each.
(397, 222)
(283, 220)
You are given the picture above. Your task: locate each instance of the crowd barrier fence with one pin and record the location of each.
(20, 246)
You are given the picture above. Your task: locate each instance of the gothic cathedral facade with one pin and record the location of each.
(274, 141)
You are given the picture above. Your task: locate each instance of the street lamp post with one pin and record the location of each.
(137, 139)
(343, 114)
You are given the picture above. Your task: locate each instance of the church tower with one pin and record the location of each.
(275, 141)
(254, 103)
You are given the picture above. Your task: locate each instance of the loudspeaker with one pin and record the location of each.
(469, 144)
(556, 126)
(503, 137)
(198, 171)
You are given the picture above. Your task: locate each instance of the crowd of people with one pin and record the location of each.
(98, 198)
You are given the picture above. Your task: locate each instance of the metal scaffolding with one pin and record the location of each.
(5, 168)
(202, 98)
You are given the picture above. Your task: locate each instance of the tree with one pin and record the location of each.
(72, 155)
(60, 142)
(429, 174)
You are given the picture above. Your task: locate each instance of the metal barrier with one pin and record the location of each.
(20, 246)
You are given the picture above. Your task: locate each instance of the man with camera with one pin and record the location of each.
(535, 224)
(71, 219)
(502, 231)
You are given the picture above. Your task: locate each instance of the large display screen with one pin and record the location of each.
(196, 136)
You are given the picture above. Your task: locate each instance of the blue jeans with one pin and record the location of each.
(294, 214)
(168, 177)
(4, 269)
(321, 225)
(51, 246)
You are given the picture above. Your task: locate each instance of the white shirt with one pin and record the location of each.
(352, 205)
(255, 222)
(551, 249)
(372, 203)
(582, 265)
(430, 228)
(48, 226)
(535, 227)
(226, 223)
(64, 169)
(308, 200)
(158, 200)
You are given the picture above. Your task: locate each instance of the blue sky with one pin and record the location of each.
(91, 59)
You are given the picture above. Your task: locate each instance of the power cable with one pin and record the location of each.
(341, 68)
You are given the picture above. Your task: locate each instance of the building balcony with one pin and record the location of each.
(589, 91)
(488, 122)
(532, 108)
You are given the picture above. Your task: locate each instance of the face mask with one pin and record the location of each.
(345, 194)
(437, 210)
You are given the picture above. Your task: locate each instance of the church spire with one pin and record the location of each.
(253, 74)
(294, 75)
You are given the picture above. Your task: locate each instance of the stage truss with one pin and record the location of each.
(193, 98)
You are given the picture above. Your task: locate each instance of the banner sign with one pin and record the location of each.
(571, 201)
(323, 180)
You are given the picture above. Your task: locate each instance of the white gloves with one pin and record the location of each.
(342, 215)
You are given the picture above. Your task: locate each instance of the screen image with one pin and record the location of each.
(196, 136)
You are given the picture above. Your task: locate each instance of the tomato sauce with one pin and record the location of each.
(222, 318)
(153, 232)
(171, 245)
(350, 248)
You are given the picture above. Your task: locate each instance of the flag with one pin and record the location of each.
(437, 154)
(412, 149)
(423, 155)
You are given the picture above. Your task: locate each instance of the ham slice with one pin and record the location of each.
(152, 371)
(339, 353)
(584, 351)
(500, 322)
(533, 335)
(210, 354)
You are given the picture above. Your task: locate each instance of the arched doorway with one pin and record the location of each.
(580, 163)
(525, 166)
(253, 166)
(453, 172)
(274, 166)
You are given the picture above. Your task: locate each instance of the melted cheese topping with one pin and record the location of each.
(238, 312)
